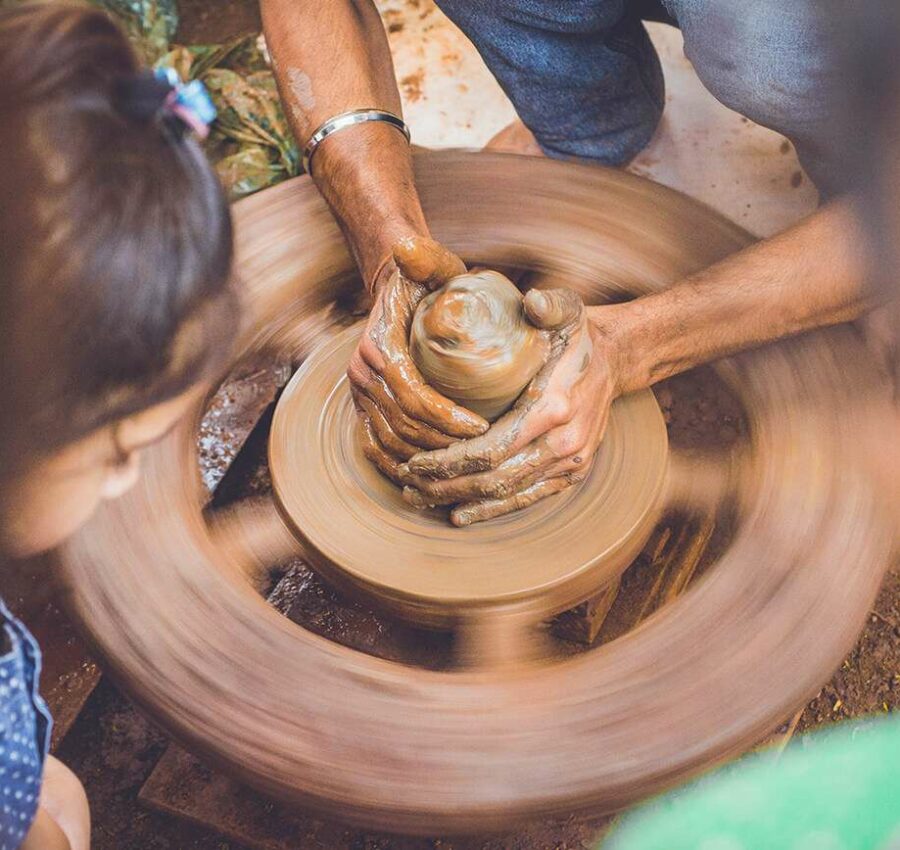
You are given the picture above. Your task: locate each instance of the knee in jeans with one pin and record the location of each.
(613, 145)
(768, 67)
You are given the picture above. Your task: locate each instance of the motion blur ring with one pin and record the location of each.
(405, 749)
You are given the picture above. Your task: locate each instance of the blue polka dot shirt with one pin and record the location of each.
(24, 731)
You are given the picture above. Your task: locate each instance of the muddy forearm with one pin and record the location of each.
(807, 277)
(330, 58)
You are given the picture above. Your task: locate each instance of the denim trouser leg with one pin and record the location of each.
(582, 74)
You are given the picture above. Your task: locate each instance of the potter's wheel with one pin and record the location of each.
(164, 591)
(357, 529)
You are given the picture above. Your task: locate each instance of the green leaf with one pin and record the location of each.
(250, 112)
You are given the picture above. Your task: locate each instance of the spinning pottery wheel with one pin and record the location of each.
(532, 563)
(168, 599)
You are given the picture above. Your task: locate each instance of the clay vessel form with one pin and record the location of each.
(472, 342)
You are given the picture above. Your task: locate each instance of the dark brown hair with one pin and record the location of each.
(115, 236)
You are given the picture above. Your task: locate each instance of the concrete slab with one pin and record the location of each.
(450, 99)
(711, 153)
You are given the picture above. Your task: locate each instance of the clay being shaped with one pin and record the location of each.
(472, 342)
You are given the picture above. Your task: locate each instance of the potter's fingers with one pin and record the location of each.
(508, 478)
(538, 461)
(406, 427)
(554, 309)
(533, 415)
(395, 445)
(425, 261)
(376, 454)
(425, 404)
(384, 349)
(386, 353)
(542, 460)
(366, 381)
(490, 508)
(479, 454)
(575, 468)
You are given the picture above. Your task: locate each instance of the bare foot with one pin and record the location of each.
(515, 138)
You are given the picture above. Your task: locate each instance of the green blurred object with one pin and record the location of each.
(247, 171)
(250, 114)
(836, 789)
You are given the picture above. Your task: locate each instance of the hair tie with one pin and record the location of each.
(188, 101)
(149, 95)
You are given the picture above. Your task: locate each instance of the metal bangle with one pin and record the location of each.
(349, 119)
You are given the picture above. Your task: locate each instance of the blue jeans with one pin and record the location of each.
(587, 82)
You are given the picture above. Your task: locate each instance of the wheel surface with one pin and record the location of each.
(166, 599)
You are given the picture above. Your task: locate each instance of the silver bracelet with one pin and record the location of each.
(349, 119)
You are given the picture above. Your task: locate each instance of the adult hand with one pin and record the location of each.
(400, 413)
(545, 443)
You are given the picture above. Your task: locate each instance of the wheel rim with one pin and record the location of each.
(413, 750)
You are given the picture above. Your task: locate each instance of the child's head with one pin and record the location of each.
(115, 252)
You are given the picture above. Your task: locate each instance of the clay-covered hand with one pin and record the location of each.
(545, 443)
(400, 413)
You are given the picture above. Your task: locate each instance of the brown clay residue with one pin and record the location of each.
(412, 85)
(393, 20)
(701, 412)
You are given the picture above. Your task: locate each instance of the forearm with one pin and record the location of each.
(330, 58)
(807, 277)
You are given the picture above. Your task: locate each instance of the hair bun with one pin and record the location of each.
(141, 96)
